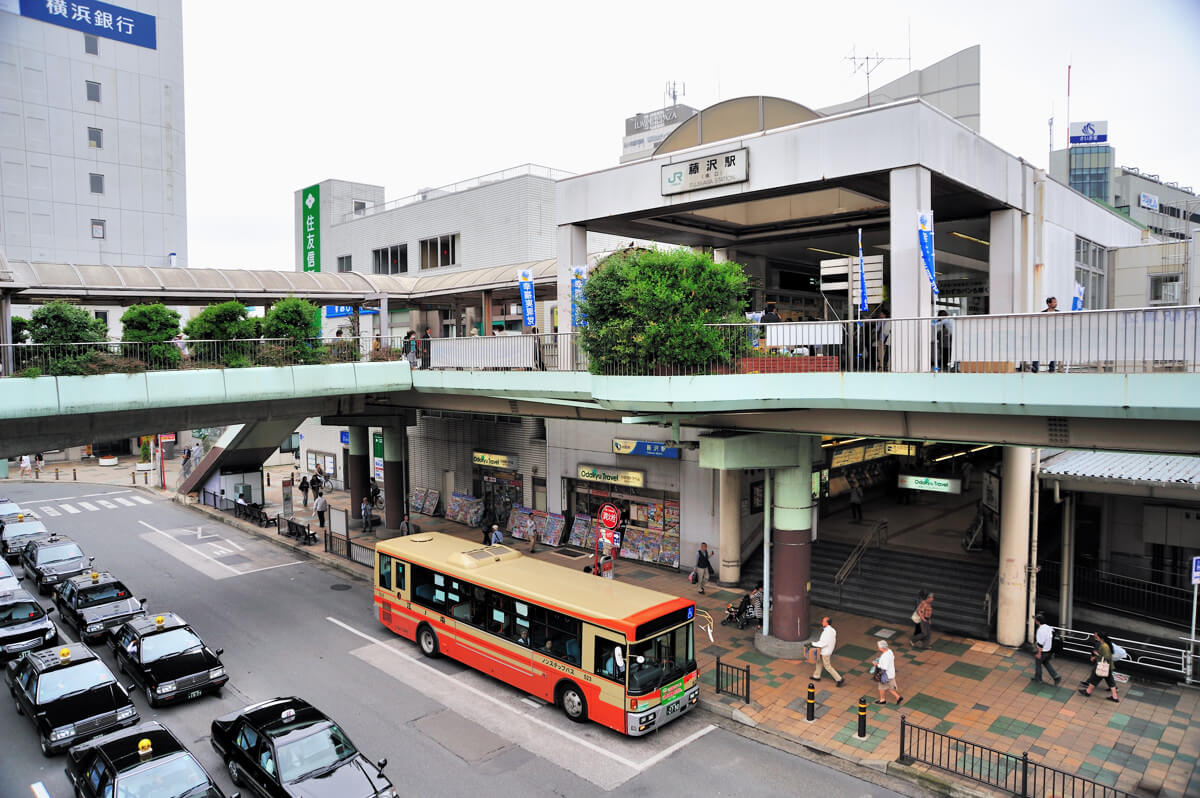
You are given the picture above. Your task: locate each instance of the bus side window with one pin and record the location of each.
(399, 569)
(609, 663)
(385, 572)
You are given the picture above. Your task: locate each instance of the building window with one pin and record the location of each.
(93, 91)
(95, 138)
(102, 315)
(96, 183)
(1164, 289)
(97, 228)
(1091, 273)
(390, 260)
(359, 207)
(343, 263)
(91, 44)
(439, 251)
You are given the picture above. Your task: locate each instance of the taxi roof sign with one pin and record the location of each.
(64, 654)
(288, 715)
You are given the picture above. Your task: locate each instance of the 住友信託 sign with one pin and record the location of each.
(931, 484)
(612, 476)
(706, 172)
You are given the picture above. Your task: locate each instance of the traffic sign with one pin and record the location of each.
(166, 437)
(610, 518)
(1196, 570)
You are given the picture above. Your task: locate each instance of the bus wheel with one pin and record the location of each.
(571, 699)
(427, 640)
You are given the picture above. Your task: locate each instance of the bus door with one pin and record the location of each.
(391, 591)
(604, 654)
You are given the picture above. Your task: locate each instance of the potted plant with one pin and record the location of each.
(145, 464)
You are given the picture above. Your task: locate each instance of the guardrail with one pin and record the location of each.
(733, 680)
(1178, 662)
(1125, 594)
(877, 536)
(342, 546)
(1016, 775)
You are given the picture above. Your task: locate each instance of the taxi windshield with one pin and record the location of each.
(314, 753)
(164, 644)
(663, 660)
(102, 594)
(172, 777)
(23, 529)
(20, 612)
(63, 551)
(57, 683)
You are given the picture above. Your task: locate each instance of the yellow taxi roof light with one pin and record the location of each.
(64, 654)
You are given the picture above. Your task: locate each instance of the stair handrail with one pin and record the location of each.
(877, 535)
(988, 605)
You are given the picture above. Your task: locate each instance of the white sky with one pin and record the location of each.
(281, 94)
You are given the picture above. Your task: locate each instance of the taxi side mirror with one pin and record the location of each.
(219, 651)
(380, 765)
(131, 687)
(143, 601)
(49, 609)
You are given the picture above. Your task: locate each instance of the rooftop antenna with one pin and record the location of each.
(1051, 123)
(868, 63)
(674, 90)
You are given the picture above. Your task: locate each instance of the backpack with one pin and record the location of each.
(1118, 653)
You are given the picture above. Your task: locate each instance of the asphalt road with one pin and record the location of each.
(290, 626)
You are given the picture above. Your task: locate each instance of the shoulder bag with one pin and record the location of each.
(1103, 668)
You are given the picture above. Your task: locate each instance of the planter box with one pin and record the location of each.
(107, 461)
(144, 466)
(784, 364)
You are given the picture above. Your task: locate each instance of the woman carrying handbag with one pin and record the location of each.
(1102, 655)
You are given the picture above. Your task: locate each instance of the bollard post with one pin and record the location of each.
(74, 475)
(132, 477)
(810, 711)
(862, 718)
(145, 477)
(56, 473)
(268, 479)
(37, 472)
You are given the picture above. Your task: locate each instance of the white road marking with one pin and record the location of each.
(70, 509)
(85, 496)
(50, 511)
(459, 686)
(123, 501)
(218, 551)
(39, 790)
(88, 506)
(142, 500)
(272, 567)
(231, 543)
(214, 560)
(106, 504)
(531, 702)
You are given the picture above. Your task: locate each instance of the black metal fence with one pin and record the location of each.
(1122, 593)
(212, 499)
(342, 546)
(733, 680)
(1016, 775)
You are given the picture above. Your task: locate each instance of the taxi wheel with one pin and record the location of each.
(235, 775)
(45, 744)
(428, 641)
(150, 699)
(17, 704)
(571, 699)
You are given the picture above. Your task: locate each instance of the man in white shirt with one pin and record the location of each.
(825, 645)
(1044, 651)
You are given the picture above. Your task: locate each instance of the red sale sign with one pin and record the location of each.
(610, 516)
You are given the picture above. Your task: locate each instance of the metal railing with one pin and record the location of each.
(1016, 775)
(877, 537)
(733, 680)
(1122, 341)
(1124, 594)
(1176, 661)
(342, 546)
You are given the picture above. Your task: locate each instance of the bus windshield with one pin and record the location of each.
(663, 659)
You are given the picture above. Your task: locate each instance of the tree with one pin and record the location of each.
(297, 322)
(154, 327)
(214, 330)
(63, 323)
(647, 311)
(20, 330)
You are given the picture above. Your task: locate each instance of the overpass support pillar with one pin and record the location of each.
(730, 521)
(791, 546)
(395, 475)
(1012, 600)
(911, 294)
(358, 466)
(6, 341)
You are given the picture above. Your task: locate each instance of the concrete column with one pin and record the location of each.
(791, 546)
(720, 255)
(359, 466)
(909, 290)
(1067, 558)
(572, 251)
(485, 299)
(6, 340)
(395, 475)
(1008, 277)
(730, 521)
(1014, 545)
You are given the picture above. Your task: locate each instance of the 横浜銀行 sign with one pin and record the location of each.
(96, 18)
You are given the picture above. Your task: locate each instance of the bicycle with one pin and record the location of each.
(377, 503)
(325, 483)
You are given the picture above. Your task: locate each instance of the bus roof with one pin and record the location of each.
(606, 602)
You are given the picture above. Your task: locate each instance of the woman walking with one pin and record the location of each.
(304, 488)
(885, 674)
(1102, 656)
(922, 625)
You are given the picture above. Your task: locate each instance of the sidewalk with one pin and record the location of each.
(972, 689)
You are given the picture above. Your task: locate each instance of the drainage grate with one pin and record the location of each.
(1058, 430)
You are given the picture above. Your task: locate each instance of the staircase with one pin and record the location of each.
(886, 583)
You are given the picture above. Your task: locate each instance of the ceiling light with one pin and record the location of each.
(966, 237)
(828, 252)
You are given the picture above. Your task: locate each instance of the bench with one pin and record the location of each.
(253, 512)
(294, 529)
(985, 367)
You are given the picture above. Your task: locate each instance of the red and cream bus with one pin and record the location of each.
(620, 655)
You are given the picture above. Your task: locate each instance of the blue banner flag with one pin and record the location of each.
(578, 277)
(862, 277)
(525, 281)
(925, 237)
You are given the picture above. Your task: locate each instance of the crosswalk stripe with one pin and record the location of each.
(88, 506)
(108, 504)
(125, 502)
(50, 511)
(70, 509)
(141, 500)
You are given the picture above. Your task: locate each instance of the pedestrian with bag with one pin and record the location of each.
(365, 509)
(885, 674)
(405, 527)
(1102, 656)
(825, 645)
(320, 506)
(922, 624)
(703, 569)
(856, 497)
(497, 537)
(1043, 651)
(304, 488)
(26, 468)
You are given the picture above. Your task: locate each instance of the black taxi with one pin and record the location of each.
(286, 747)
(167, 659)
(144, 760)
(24, 624)
(52, 560)
(94, 603)
(69, 695)
(15, 534)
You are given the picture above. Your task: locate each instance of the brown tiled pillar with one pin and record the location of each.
(358, 464)
(791, 547)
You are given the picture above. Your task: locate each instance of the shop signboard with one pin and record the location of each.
(931, 484)
(310, 213)
(706, 172)
(286, 488)
(991, 491)
(845, 457)
(875, 451)
(493, 460)
(96, 18)
(610, 517)
(611, 476)
(377, 450)
(644, 448)
(166, 437)
(344, 437)
(1089, 132)
(902, 449)
(339, 311)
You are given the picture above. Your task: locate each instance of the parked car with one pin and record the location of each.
(15, 534)
(24, 623)
(146, 761)
(94, 603)
(53, 559)
(167, 659)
